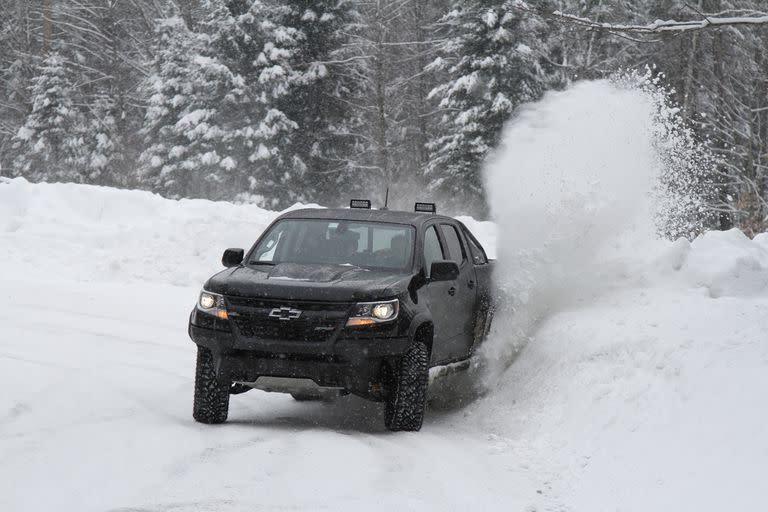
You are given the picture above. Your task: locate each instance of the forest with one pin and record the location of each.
(281, 101)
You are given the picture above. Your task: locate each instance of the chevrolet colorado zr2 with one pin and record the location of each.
(339, 301)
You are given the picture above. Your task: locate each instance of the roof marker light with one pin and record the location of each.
(360, 203)
(425, 208)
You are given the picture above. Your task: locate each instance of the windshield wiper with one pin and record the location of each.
(268, 263)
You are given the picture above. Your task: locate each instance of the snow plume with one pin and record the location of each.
(578, 189)
(686, 167)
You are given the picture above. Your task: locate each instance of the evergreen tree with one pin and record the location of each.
(106, 153)
(496, 68)
(278, 171)
(49, 146)
(319, 86)
(298, 128)
(192, 123)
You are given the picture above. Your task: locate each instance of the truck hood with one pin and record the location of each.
(290, 281)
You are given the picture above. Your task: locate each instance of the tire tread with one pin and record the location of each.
(211, 401)
(408, 394)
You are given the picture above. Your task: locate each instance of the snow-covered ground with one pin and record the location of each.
(623, 374)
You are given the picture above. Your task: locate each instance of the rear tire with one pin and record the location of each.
(211, 403)
(407, 397)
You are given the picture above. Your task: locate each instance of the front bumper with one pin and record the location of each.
(355, 364)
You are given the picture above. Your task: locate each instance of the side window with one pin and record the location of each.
(477, 252)
(433, 251)
(452, 240)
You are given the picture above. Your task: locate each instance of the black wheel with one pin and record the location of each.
(407, 395)
(211, 403)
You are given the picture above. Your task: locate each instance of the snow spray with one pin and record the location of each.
(573, 190)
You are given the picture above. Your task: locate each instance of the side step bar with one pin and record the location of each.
(438, 372)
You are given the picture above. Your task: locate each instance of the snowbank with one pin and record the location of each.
(90, 233)
(725, 264)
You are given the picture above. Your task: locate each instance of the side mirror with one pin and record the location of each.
(232, 257)
(444, 271)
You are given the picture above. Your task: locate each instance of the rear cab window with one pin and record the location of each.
(475, 249)
(453, 241)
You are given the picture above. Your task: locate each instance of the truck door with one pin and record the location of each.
(465, 294)
(448, 300)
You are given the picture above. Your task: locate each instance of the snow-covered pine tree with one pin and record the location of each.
(106, 153)
(298, 130)
(111, 94)
(49, 146)
(14, 73)
(105, 45)
(321, 82)
(192, 125)
(278, 173)
(492, 59)
(248, 38)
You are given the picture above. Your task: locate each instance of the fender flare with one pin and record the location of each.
(420, 320)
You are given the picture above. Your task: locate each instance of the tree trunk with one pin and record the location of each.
(689, 83)
(188, 8)
(380, 78)
(47, 25)
(725, 218)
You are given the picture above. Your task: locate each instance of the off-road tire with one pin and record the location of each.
(211, 403)
(407, 396)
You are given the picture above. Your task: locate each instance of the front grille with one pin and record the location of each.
(253, 303)
(292, 330)
(318, 322)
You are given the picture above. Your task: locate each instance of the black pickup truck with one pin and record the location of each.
(342, 301)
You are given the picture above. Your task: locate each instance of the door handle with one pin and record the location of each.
(471, 284)
(452, 291)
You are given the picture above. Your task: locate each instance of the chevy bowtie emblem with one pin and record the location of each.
(285, 314)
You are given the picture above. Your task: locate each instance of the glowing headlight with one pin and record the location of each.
(207, 300)
(213, 303)
(368, 313)
(383, 311)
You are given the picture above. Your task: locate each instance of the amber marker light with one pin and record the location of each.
(357, 322)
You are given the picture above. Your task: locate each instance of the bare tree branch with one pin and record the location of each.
(657, 27)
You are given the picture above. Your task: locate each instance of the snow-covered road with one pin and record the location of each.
(648, 394)
(96, 416)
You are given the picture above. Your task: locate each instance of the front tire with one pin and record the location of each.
(407, 397)
(211, 403)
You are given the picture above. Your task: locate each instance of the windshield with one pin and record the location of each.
(337, 242)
